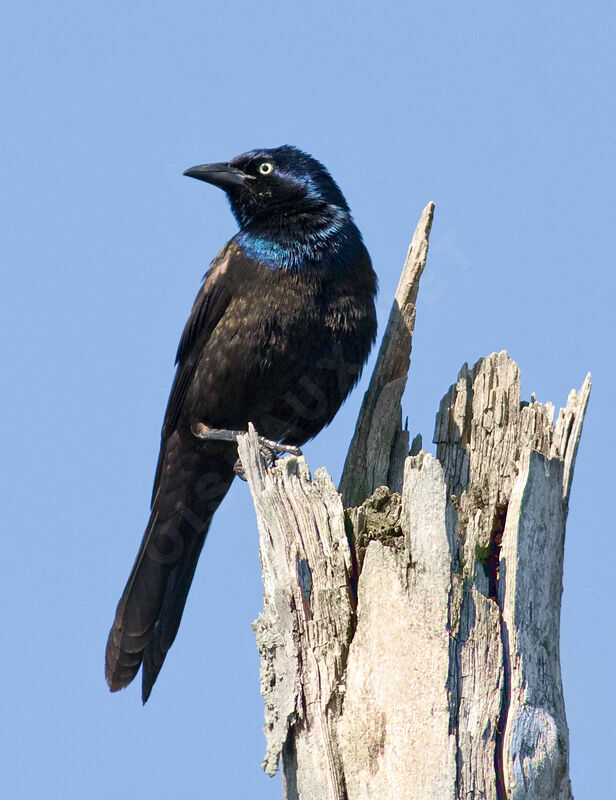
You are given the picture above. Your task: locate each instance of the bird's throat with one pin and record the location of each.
(329, 245)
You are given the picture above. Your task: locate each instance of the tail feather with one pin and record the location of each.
(170, 615)
(149, 612)
(136, 614)
(147, 619)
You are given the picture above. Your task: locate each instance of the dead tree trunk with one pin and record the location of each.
(410, 643)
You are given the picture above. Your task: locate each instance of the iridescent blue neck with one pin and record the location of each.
(330, 244)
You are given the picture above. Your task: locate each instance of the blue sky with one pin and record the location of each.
(501, 114)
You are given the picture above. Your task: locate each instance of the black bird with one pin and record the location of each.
(277, 336)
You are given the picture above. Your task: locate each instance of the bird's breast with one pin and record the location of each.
(284, 355)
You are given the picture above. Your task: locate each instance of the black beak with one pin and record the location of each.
(222, 175)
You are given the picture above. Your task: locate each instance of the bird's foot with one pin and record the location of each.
(269, 449)
(239, 470)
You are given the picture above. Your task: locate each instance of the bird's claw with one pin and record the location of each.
(269, 449)
(238, 468)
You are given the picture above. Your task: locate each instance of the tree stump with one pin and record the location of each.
(410, 642)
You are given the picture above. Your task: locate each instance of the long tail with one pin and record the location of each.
(150, 609)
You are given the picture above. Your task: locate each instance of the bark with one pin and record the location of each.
(410, 643)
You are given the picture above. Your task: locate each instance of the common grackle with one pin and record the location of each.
(278, 335)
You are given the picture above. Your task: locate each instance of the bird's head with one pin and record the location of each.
(281, 183)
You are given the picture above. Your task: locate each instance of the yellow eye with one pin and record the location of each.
(265, 167)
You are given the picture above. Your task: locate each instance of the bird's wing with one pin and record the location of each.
(208, 308)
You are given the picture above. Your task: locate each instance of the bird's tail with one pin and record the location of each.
(150, 609)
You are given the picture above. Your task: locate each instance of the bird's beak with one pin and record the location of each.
(221, 175)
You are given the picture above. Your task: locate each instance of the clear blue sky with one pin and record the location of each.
(503, 114)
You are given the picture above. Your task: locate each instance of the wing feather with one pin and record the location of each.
(208, 308)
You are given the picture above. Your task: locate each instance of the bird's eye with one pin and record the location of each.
(265, 167)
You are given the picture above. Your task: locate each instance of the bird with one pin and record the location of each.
(278, 335)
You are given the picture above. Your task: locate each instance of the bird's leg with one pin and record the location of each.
(269, 449)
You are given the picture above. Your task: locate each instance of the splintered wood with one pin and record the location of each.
(507, 471)
(410, 645)
(308, 607)
(379, 444)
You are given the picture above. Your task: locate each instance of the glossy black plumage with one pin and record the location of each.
(277, 336)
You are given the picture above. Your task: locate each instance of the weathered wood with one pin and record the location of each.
(306, 624)
(508, 471)
(410, 645)
(395, 724)
(379, 445)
